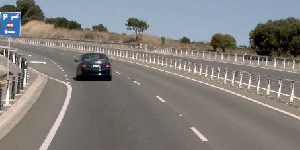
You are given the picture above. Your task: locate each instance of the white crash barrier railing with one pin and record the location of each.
(285, 88)
(244, 80)
(254, 60)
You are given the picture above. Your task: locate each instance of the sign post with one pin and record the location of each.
(10, 26)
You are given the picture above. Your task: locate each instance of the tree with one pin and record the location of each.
(296, 46)
(185, 40)
(8, 8)
(137, 25)
(100, 28)
(73, 25)
(163, 40)
(61, 22)
(279, 36)
(29, 10)
(50, 20)
(223, 41)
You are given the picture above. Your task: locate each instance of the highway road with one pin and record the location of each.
(142, 109)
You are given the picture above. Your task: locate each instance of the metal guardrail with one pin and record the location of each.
(18, 82)
(287, 64)
(67, 42)
(283, 90)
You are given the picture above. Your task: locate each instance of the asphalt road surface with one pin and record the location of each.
(143, 109)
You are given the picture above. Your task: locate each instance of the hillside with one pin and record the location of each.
(39, 29)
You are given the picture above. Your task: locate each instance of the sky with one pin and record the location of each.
(195, 19)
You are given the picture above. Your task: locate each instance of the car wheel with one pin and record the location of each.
(78, 77)
(109, 78)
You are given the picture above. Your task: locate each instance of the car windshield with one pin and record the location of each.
(93, 57)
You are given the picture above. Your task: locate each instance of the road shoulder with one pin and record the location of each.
(11, 117)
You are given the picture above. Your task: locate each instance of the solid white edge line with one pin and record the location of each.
(160, 99)
(200, 135)
(50, 136)
(37, 62)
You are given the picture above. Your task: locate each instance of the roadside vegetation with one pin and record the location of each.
(277, 38)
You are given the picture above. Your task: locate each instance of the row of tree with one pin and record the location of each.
(280, 36)
(63, 23)
(31, 11)
(28, 8)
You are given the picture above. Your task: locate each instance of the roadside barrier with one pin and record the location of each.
(263, 85)
(289, 64)
(14, 87)
(282, 89)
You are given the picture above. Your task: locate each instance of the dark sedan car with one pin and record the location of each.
(94, 65)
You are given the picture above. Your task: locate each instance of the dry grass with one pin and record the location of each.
(39, 29)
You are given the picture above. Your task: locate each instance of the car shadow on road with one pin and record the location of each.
(90, 79)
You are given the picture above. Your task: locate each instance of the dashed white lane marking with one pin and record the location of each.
(118, 72)
(66, 75)
(137, 83)
(201, 136)
(38, 62)
(63, 70)
(29, 55)
(228, 91)
(160, 99)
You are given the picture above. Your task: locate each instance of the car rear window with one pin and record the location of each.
(93, 57)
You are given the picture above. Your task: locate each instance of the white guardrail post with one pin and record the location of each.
(249, 82)
(212, 72)
(279, 89)
(294, 62)
(258, 84)
(241, 80)
(180, 64)
(222, 56)
(292, 93)
(206, 71)
(219, 71)
(268, 86)
(195, 68)
(225, 76)
(235, 57)
(215, 55)
(200, 69)
(233, 77)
